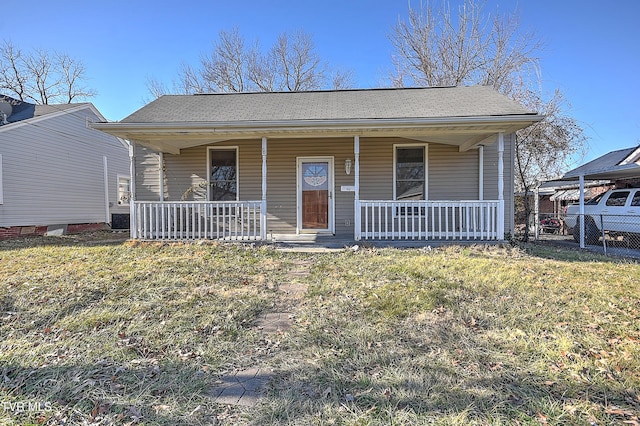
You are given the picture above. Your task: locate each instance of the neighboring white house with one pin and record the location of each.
(56, 173)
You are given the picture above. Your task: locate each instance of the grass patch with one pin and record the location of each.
(117, 333)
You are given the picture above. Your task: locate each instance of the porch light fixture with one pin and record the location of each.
(347, 166)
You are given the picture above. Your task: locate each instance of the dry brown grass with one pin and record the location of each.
(139, 333)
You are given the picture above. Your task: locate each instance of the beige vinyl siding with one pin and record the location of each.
(189, 170)
(186, 174)
(452, 175)
(147, 170)
(54, 172)
(282, 184)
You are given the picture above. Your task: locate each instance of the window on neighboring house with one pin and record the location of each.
(124, 190)
(410, 178)
(223, 174)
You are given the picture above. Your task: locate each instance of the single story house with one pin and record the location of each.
(56, 173)
(369, 164)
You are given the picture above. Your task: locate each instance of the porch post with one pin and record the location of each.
(581, 218)
(356, 169)
(536, 212)
(263, 207)
(161, 174)
(481, 172)
(133, 233)
(500, 186)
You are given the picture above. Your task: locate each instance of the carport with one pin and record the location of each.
(617, 165)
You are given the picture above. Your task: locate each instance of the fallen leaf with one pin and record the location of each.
(542, 418)
(327, 392)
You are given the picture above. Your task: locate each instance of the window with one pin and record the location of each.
(617, 199)
(223, 174)
(595, 200)
(124, 190)
(410, 175)
(636, 200)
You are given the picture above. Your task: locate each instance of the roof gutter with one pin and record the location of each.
(341, 124)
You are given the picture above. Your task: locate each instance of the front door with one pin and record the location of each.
(315, 194)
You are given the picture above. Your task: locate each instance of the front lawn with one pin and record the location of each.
(141, 333)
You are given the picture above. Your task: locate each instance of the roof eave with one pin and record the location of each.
(618, 172)
(320, 124)
(161, 135)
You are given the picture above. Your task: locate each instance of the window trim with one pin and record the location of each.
(128, 178)
(426, 166)
(223, 148)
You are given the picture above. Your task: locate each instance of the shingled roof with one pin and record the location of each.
(613, 165)
(438, 102)
(21, 110)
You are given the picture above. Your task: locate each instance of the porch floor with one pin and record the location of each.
(313, 242)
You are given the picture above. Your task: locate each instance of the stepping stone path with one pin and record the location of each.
(241, 388)
(274, 322)
(244, 387)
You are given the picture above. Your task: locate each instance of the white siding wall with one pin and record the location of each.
(53, 171)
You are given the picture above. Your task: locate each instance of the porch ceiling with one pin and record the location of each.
(464, 132)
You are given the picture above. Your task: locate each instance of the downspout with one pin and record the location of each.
(107, 219)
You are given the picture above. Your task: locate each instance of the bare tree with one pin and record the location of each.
(291, 64)
(13, 78)
(40, 76)
(544, 150)
(342, 79)
(72, 78)
(436, 48)
(225, 68)
(298, 65)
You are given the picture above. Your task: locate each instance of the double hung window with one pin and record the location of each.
(223, 174)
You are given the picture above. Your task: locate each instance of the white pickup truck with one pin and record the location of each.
(617, 211)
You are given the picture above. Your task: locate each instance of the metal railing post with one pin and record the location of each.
(604, 240)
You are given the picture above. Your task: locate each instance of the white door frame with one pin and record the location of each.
(331, 207)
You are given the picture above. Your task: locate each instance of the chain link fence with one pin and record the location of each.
(608, 231)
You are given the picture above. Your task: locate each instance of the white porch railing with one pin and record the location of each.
(428, 220)
(189, 220)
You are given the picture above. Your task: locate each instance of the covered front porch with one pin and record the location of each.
(359, 218)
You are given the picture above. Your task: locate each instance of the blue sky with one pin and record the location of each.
(592, 48)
